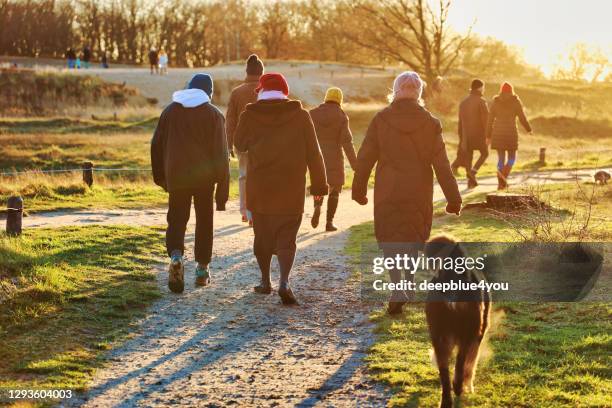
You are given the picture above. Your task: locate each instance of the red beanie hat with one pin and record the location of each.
(507, 88)
(273, 82)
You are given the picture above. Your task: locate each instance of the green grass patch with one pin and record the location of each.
(66, 294)
(535, 355)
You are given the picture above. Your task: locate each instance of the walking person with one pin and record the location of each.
(163, 62)
(189, 157)
(153, 60)
(71, 58)
(242, 95)
(472, 127)
(334, 135)
(405, 143)
(86, 57)
(502, 131)
(279, 138)
(104, 60)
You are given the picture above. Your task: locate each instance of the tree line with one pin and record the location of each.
(208, 32)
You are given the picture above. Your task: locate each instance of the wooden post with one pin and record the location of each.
(88, 173)
(542, 155)
(14, 215)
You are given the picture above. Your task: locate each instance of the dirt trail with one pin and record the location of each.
(224, 345)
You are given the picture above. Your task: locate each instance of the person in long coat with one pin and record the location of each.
(405, 143)
(280, 140)
(334, 135)
(472, 127)
(502, 131)
(189, 156)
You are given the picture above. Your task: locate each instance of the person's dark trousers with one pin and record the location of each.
(179, 207)
(275, 234)
(332, 201)
(484, 153)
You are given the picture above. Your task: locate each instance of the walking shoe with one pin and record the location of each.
(263, 289)
(330, 227)
(286, 294)
(202, 275)
(176, 271)
(314, 221)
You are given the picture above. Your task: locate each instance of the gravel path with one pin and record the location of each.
(224, 345)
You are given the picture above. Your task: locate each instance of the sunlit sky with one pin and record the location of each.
(543, 29)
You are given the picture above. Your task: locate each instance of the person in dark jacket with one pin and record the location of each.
(71, 58)
(502, 132)
(334, 135)
(280, 140)
(189, 157)
(242, 95)
(472, 126)
(154, 60)
(86, 57)
(405, 143)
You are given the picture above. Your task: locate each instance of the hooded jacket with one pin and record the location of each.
(501, 126)
(472, 126)
(242, 95)
(189, 147)
(334, 134)
(405, 143)
(280, 140)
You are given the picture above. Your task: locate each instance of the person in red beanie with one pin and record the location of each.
(502, 132)
(280, 140)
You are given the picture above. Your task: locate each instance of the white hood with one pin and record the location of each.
(270, 95)
(190, 98)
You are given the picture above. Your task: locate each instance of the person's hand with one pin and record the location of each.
(361, 200)
(232, 154)
(488, 141)
(530, 132)
(220, 206)
(453, 208)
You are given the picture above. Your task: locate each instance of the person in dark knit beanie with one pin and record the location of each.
(240, 97)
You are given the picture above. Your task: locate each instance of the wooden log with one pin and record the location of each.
(542, 155)
(14, 215)
(88, 173)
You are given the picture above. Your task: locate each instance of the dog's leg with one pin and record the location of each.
(443, 348)
(469, 368)
(459, 369)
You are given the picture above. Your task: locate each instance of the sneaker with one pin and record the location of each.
(330, 227)
(314, 221)
(176, 272)
(471, 180)
(202, 275)
(286, 295)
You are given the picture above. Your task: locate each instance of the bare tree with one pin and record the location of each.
(583, 63)
(410, 31)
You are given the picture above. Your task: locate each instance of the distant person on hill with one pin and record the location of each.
(71, 58)
(242, 95)
(104, 60)
(405, 143)
(153, 60)
(163, 62)
(472, 127)
(502, 132)
(334, 135)
(189, 156)
(280, 140)
(86, 57)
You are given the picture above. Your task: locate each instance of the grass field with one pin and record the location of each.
(66, 294)
(536, 354)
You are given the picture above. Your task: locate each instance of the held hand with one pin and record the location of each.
(361, 200)
(232, 154)
(488, 141)
(453, 208)
(220, 207)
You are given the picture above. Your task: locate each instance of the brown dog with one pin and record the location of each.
(602, 177)
(455, 319)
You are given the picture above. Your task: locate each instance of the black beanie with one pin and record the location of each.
(477, 84)
(254, 66)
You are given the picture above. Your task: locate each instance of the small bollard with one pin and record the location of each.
(14, 215)
(542, 155)
(88, 173)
